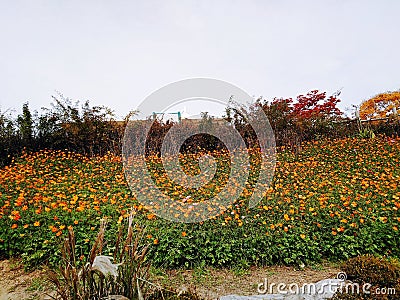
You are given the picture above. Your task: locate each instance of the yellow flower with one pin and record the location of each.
(36, 224)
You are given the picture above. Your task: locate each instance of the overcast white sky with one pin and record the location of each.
(116, 53)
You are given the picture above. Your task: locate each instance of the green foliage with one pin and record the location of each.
(366, 133)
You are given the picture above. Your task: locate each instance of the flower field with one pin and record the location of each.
(334, 200)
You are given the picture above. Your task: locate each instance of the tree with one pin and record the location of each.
(25, 125)
(310, 115)
(380, 106)
(316, 104)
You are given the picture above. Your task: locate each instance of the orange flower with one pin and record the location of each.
(36, 224)
(151, 216)
(13, 226)
(155, 242)
(303, 236)
(15, 215)
(184, 233)
(59, 233)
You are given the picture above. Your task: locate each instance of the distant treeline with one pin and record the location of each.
(93, 130)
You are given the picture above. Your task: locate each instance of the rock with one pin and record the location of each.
(327, 288)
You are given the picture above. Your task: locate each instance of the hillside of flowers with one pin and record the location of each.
(333, 200)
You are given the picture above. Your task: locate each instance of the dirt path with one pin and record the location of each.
(15, 283)
(212, 283)
(209, 283)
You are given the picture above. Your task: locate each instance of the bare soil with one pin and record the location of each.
(210, 283)
(15, 283)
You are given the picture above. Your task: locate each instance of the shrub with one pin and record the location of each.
(371, 269)
(99, 278)
(382, 274)
(122, 276)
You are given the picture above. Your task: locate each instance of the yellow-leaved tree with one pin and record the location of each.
(380, 106)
